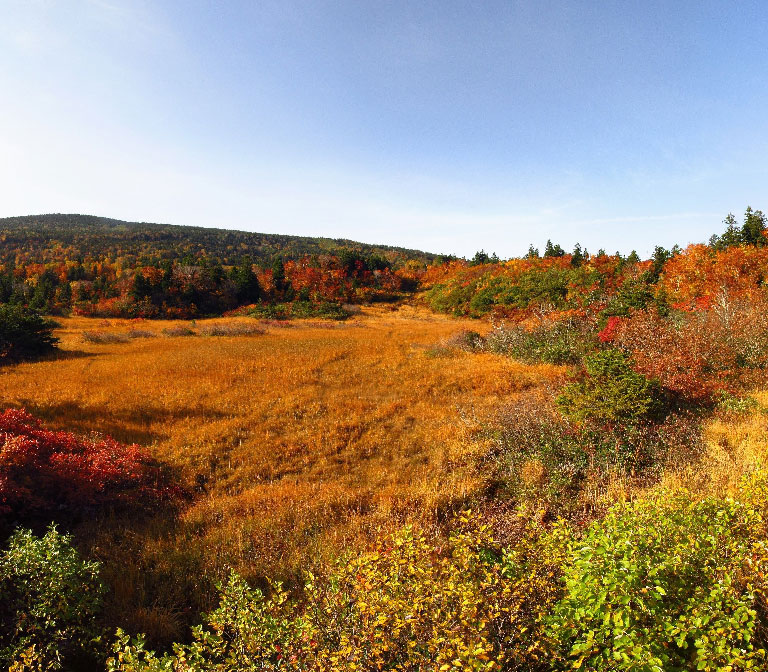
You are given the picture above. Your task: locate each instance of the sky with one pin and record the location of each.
(445, 126)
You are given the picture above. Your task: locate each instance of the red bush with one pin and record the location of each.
(44, 472)
(698, 353)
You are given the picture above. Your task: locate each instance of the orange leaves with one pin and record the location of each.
(695, 277)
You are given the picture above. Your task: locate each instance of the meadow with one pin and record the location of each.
(297, 444)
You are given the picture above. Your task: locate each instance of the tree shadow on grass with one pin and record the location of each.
(126, 425)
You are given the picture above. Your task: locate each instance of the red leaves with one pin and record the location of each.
(699, 352)
(608, 333)
(42, 471)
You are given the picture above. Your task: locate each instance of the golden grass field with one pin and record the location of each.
(301, 442)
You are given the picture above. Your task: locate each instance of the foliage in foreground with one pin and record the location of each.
(665, 583)
(49, 599)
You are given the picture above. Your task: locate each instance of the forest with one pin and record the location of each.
(230, 451)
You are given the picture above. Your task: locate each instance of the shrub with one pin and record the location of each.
(300, 309)
(248, 631)
(232, 329)
(554, 342)
(104, 337)
(24, 334)
(179, 330)
(610, 391)
(668, 583)
(140, 333)
(406, 605)
(699, 354)
(49, 599)
(46, 474)
(465, 340)
(545, 460)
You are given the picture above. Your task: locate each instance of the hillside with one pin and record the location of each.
(58, 237)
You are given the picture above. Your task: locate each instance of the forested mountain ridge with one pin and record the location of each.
(57, 237)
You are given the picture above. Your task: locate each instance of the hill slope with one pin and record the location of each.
(54, 237)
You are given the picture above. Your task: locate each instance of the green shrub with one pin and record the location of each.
(49, 598)
(407, 605)
(663, 585)
(300, 309)
(24, 334)
(248, 631)
(610, 391)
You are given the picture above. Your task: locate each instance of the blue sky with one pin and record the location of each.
(446, 126)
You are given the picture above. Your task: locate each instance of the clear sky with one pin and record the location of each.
(447, 126)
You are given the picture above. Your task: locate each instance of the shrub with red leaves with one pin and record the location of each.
(57, 474)
(698, 353)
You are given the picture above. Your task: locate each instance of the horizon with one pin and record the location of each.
(440, 127)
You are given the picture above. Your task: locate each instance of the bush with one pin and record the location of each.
(699, 354)
(666, 584)
(553, 342)
(232, 329)
(407, 605)
(610, 391)
(49, 599)
(46, 474)
(248, 631)
(179, 330)
(300, 309)
(24, 334)
(545, 460)
(104, 337)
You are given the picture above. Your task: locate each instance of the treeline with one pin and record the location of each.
(608, 284)
(101, 267)
(202, 286)
(98, 267)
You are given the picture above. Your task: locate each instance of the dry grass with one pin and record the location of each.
(737, 445)
(302, 442)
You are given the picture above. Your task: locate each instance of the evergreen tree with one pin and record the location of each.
(551, 250)
(752, 232)
(24, 333)
(247, 288)
(480, 258)
(278, 274)
(577, 258)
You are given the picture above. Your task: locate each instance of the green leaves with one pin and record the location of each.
(49, 598)
(610, 392)
(659, 584)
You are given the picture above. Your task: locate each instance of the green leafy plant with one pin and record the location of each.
(666, 584)
(49, 599)
(610, 391)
